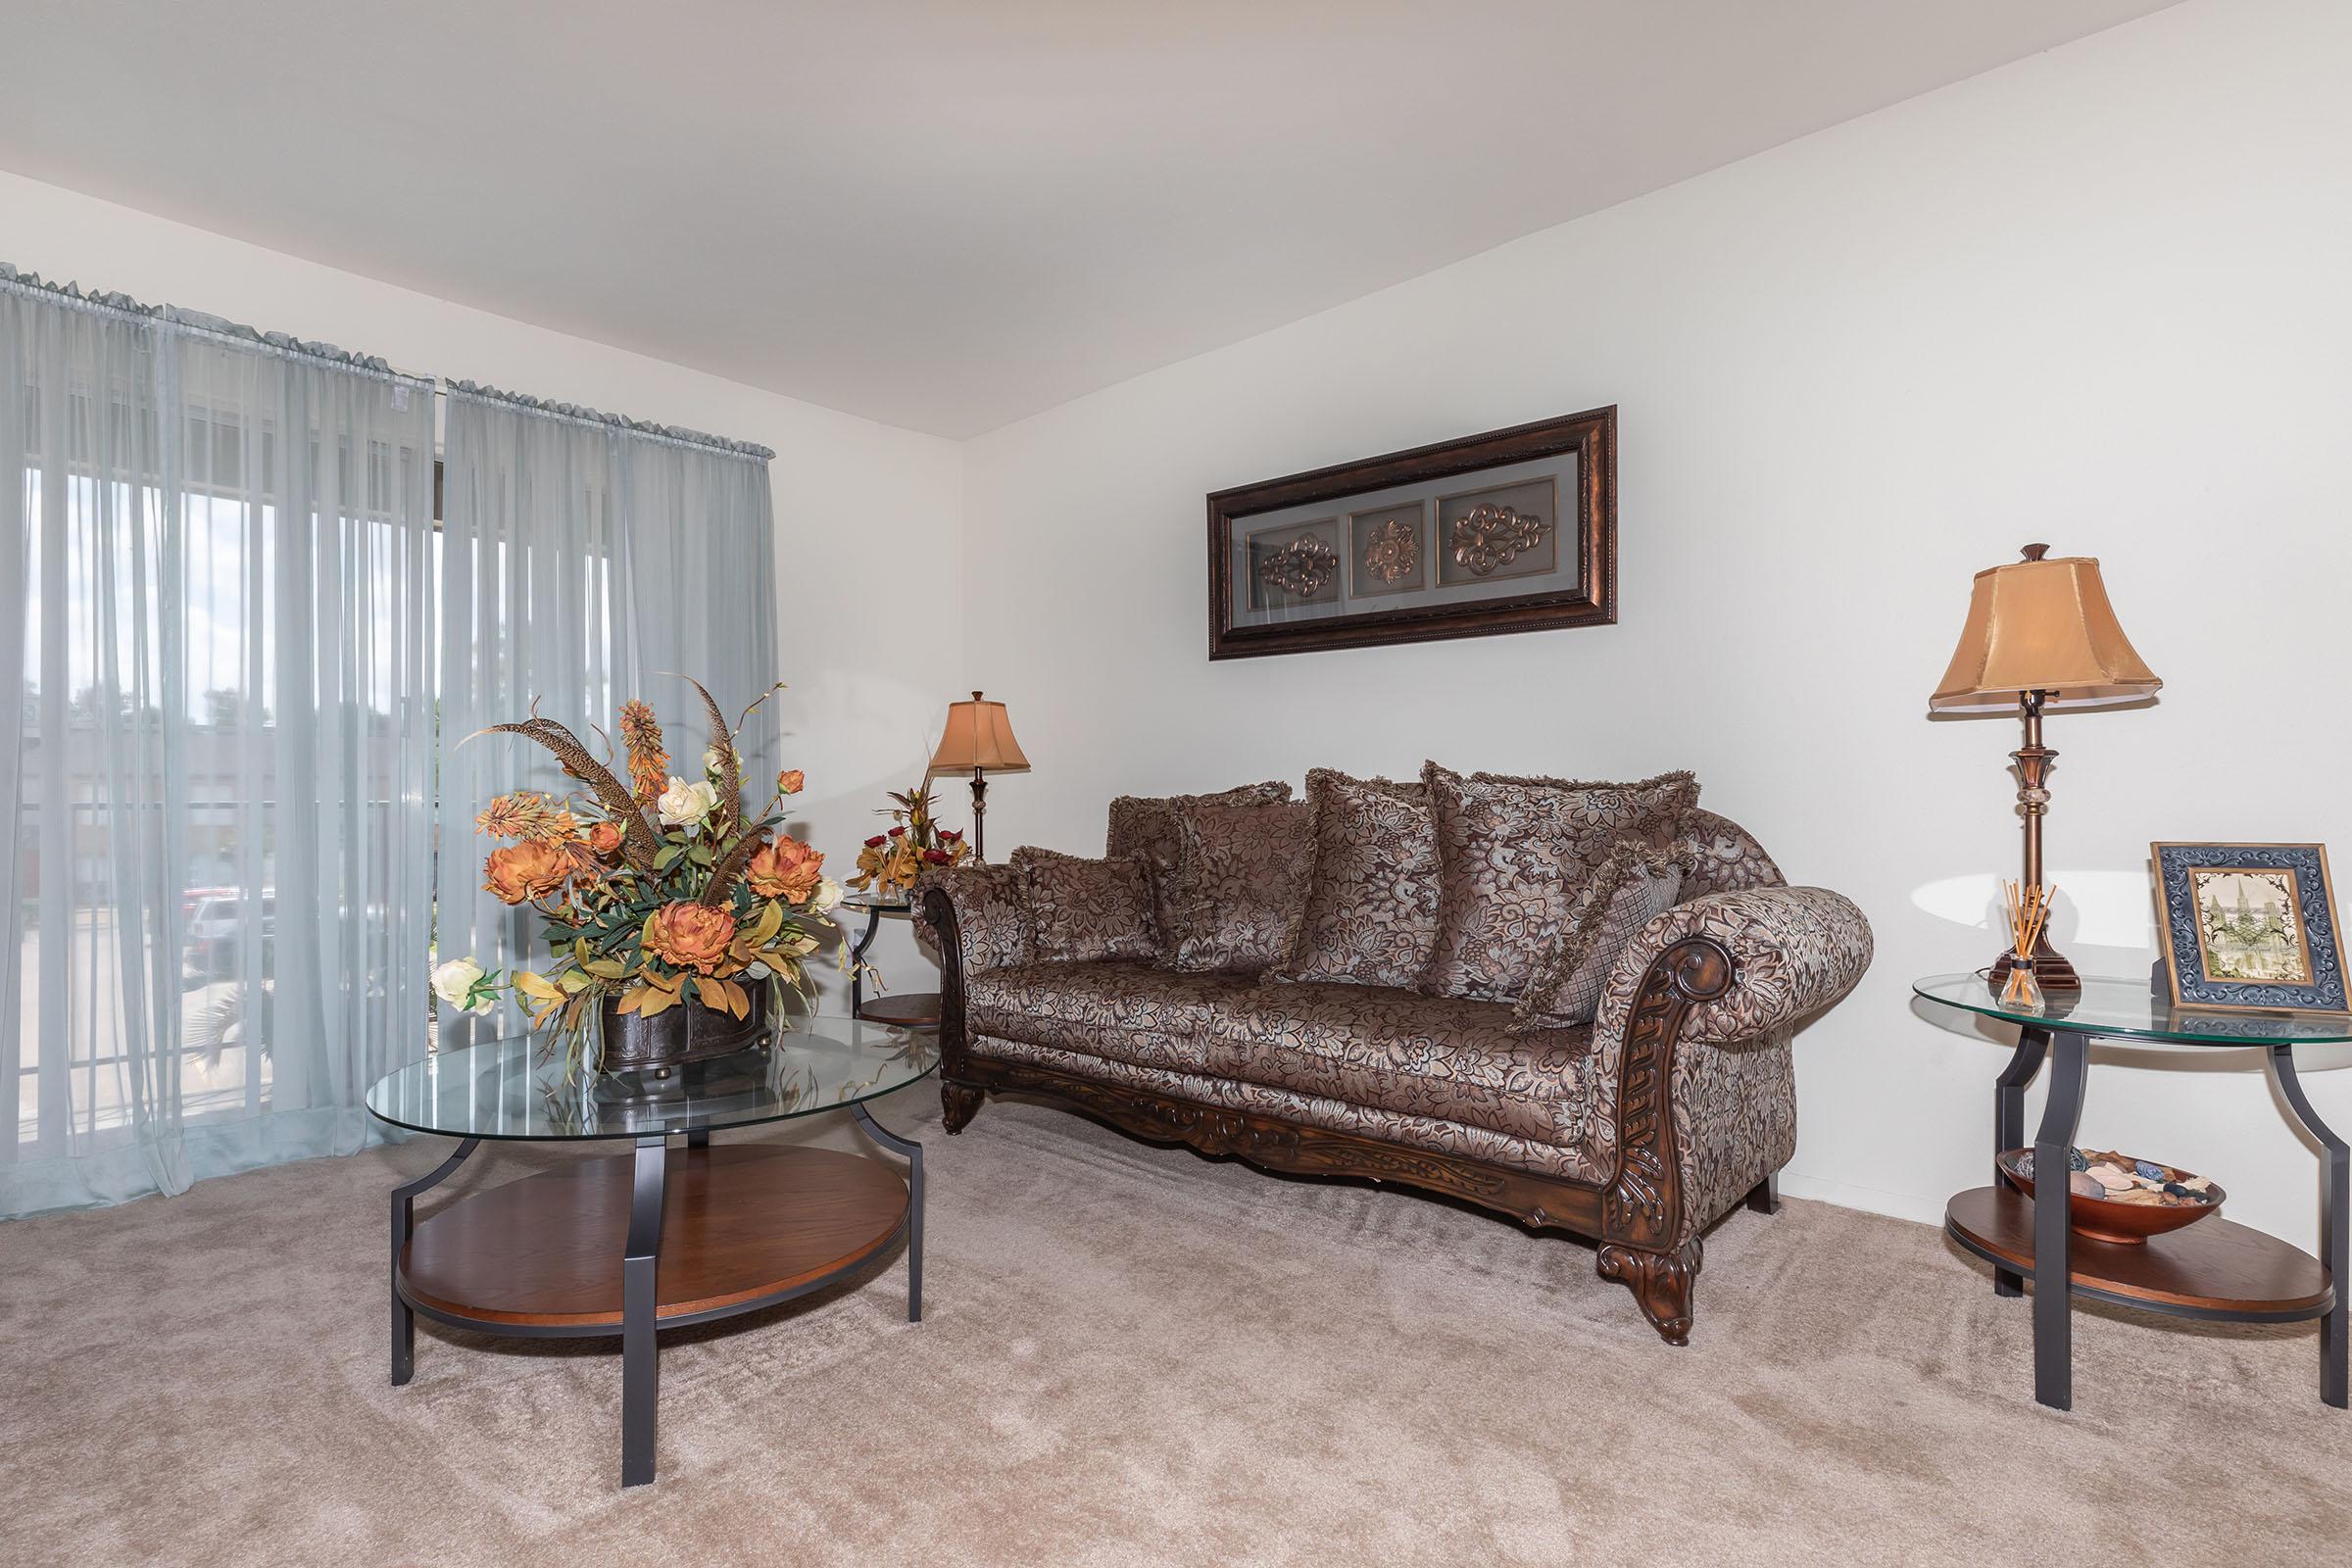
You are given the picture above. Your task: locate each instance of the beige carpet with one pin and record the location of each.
(1134, 1356)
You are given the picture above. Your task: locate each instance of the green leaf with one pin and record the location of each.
(667, 857)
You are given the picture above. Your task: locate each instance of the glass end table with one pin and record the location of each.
(908, 1010)
(656, 1237)
(2211, 1269)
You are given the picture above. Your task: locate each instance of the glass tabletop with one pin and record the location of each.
(505, 1089)
(886, 902)
(2135, 1010)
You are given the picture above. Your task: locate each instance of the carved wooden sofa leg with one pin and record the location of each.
(1765, 1196)
(958, 1103)
(1660, 1281)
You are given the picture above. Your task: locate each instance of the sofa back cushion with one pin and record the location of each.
(1083, 910)
(1515, 855)
(1635, 883)
(1234, 902)
(1372, 904)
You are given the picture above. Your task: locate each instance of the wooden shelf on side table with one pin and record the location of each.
(908, 1010)
(2212, 1269)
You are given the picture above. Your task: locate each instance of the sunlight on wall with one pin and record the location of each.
(2103, 908)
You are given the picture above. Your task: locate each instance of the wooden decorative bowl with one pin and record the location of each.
(2106, 1219)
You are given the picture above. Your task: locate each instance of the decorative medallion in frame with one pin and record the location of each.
(1514, 530)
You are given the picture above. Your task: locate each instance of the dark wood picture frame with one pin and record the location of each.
(1590, 435)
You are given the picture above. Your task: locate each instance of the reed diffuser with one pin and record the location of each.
(2028, 911)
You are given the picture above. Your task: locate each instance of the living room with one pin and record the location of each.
(896, 357)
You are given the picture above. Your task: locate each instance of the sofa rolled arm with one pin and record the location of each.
(1694, 1075)
(977, 915)
(1794, 952)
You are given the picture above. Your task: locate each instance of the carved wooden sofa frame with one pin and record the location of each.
(1636, 1215)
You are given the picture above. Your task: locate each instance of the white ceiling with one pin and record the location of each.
(940, 214)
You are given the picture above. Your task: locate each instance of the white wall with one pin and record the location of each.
(2098, 298)
(872, 672)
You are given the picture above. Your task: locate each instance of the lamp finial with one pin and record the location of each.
(2030, 552)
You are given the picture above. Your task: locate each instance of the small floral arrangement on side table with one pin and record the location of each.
(887, 862)
(659, 894)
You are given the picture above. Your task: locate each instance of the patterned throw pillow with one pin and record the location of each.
(1082, 910)
(1372, 906)
(1513, 857)
(1637, 883)
(1143, 828)
(1239, 888)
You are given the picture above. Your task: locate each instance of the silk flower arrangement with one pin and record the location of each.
(655, 894)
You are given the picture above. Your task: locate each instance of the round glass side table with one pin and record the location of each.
(2212, 1269)
(657, 1237)
(908, 1010)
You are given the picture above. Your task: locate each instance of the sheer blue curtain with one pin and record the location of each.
(215, 554)
(586, 559)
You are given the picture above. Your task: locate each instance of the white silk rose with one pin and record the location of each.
(826, 896)
(453, 982)
(685, 804)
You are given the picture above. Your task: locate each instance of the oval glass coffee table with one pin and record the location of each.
(2210, 1269)
(658, 1237)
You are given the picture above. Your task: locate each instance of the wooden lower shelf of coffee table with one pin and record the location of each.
(739, 1225)
(2211, 1269)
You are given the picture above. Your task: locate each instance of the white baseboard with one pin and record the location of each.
(1869, 1199)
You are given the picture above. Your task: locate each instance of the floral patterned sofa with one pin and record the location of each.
(1094, 983)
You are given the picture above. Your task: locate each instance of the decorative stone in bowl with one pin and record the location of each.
(2114, 1197)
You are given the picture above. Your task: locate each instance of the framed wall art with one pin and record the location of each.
(1514, 530)
(2249, 926)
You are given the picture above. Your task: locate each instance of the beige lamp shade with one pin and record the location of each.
(2037, 626)
(978, 736)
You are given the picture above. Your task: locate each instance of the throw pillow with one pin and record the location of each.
(1372, 904)
(1635, 883)
(1143, 828)
(1239, 888)
(1083, 910)
(1513, 857)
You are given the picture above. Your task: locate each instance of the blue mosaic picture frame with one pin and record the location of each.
(2249, 926)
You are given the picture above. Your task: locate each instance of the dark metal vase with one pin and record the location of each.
(685, 1032)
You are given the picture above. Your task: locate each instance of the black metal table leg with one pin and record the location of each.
(873, 923)
(2009, 1125)
(640, 1353)
(2053, 1294)
(2336, 1220)
(404, 1225)
(915, 1197)
(698, 1138)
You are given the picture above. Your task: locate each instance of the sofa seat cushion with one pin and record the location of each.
(1433, 1058)
(1125, 1010)
(1401, 1050)
(1408, 1132)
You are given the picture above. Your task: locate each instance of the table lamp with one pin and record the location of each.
(2040, 634)
(978, 741)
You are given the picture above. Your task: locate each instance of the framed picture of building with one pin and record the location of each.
(1513, 530)
(2249, 926)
